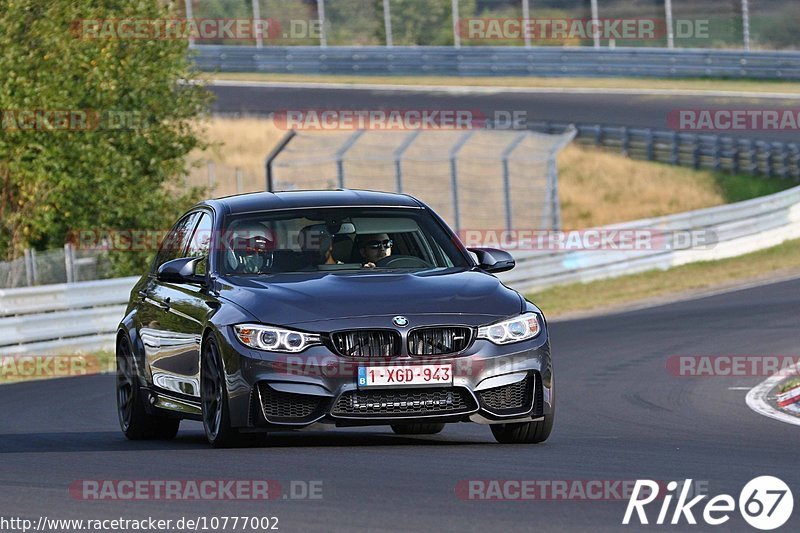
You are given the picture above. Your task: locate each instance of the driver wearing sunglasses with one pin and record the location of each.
(374, 247)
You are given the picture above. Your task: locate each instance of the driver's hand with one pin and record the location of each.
(368, 265)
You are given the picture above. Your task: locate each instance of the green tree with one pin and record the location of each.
(56, 180)
(423, 22)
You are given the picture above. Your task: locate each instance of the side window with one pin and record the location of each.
(200, 243)
(176, 240)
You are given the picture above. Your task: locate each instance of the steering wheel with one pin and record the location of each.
(402, 261)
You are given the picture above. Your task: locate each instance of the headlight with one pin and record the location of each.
(521, 328)
(274, 339)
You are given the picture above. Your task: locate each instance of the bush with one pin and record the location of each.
(58, 179)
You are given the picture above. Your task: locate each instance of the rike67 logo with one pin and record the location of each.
(765, 503)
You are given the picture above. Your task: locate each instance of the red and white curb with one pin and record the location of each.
(790, 400)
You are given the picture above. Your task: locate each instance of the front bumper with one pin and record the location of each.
(491, 384)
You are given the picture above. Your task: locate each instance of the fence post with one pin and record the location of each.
(526, 15)
(211, 166)
(257, 23)
(323, 36)
(626, 140)
(387, 23)
(570, 133)
(595, 24)
(34, 268)
(69, 263)
(598, 135)
(670, 31)
(340, 156)
(746, 24)
(784, 161)
(717, 152)
(273, 155)
(189, 16)
(795, 161)
(239, 181)
(456, 31)
(674, 157)
(28, 267)
(770, 160)
(507, 178)
(737, 154)
(398, 159)
(454, 176)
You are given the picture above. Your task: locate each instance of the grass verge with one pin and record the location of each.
(757, 86)
(778, 260)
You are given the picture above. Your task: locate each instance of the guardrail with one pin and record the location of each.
(502, 61)
(83, 316)
(717, 152)
(64, 317)
(737, 229)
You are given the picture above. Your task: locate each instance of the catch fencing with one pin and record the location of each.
(63, 265)
(475, 178)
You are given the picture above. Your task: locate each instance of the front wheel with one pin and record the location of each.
(134, 420)
(214, 401)
(523, 432)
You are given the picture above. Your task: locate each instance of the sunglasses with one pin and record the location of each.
(378, 245)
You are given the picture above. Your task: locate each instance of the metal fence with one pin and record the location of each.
(477, 179)
(501, 61)
(62, 265)
(743, 24)
(772, 159)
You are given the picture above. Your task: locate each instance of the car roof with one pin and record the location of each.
(265, 201)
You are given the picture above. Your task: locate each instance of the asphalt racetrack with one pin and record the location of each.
(639, 110)
(621, 416)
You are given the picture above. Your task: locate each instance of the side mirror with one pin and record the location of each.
(493, 260)
(181, 271)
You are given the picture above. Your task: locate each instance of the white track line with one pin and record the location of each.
(756, 398)
(474, 89)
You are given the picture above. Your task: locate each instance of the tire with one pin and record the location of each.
(214, 402)
(418, 428)
(523, 432)
(134, 420)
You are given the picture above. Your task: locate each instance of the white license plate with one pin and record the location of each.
(403, 376)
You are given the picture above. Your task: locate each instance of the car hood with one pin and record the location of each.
(319, 298)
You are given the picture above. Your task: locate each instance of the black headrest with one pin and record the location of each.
(342, 248)
(315, 240)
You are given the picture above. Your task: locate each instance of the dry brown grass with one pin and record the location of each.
(596, 187)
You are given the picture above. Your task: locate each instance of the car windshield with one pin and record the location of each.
(352, 239)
